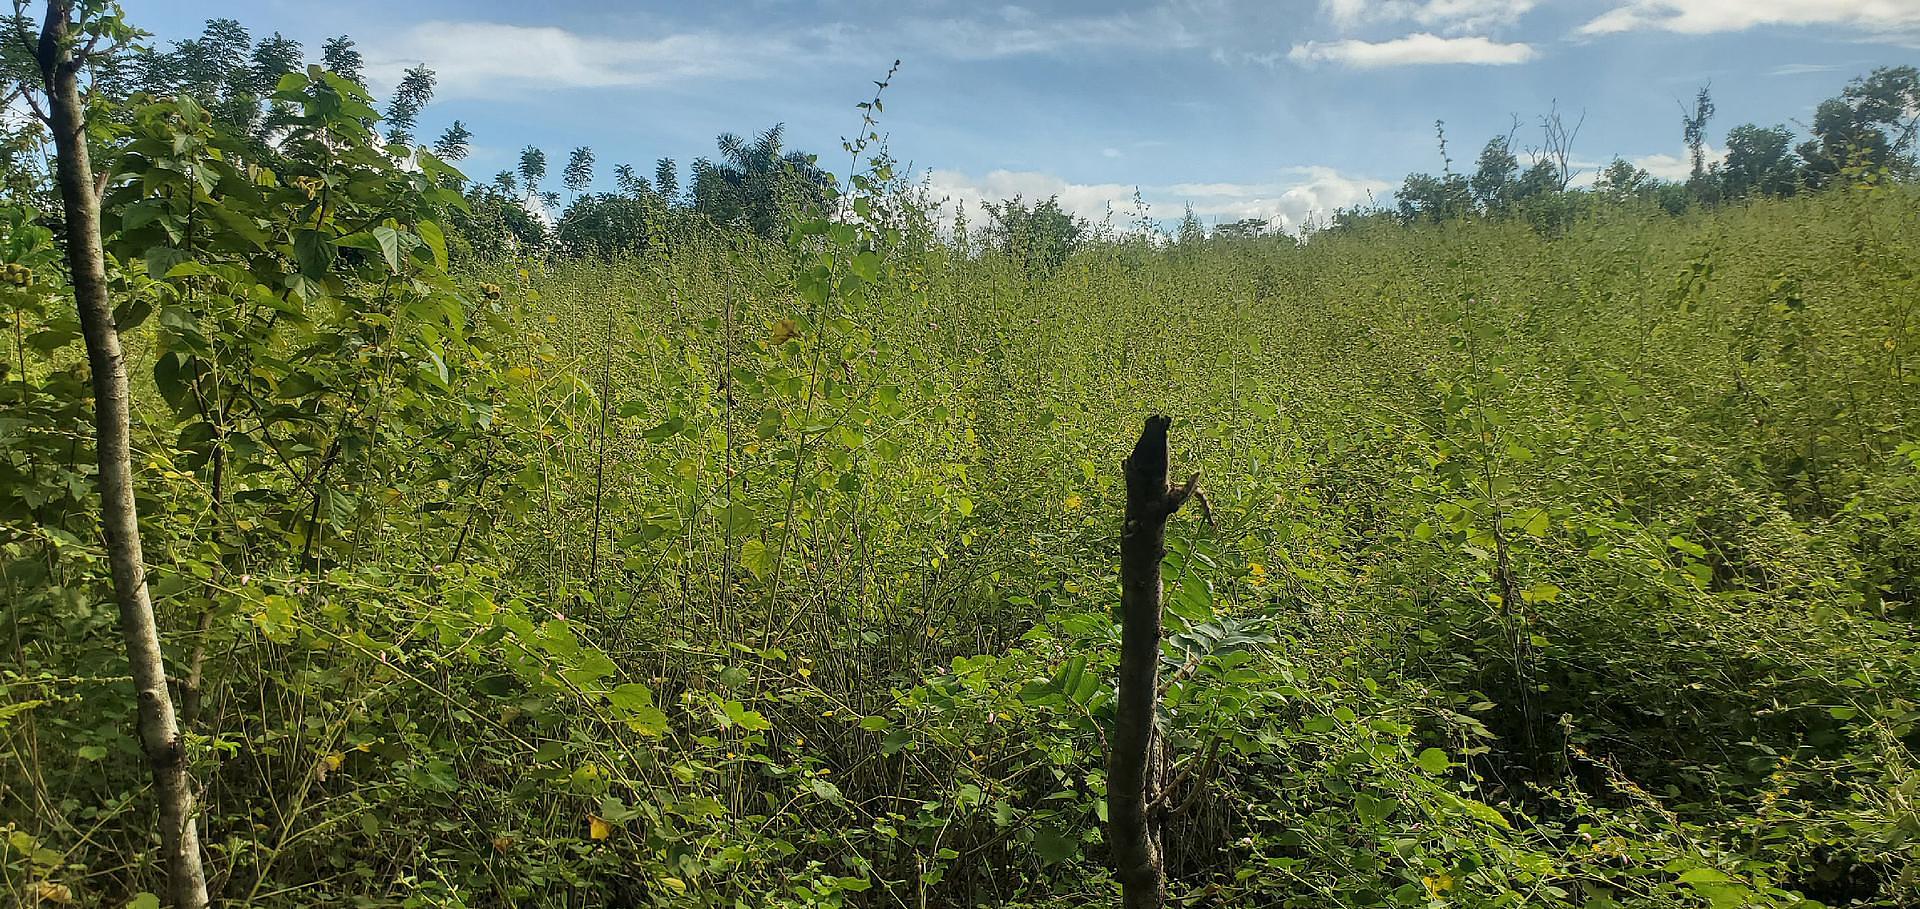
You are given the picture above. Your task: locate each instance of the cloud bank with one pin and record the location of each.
(1421, 49)
(1289, 203)
(1700, 17)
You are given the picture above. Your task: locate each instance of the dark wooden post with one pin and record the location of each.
(1134, 771)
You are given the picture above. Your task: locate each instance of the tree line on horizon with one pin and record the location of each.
(1868, 131)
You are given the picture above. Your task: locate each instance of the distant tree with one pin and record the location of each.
(273, 57)
(1191, 230)
(533, 171)
(1426, 198)
(1701, 182)
(1539, 179)
(454, 143)
(755, 184)
(207, 63)
(340, 56)
(1620, 180)
(1759, 160)
(1557, 138)
(1694, 130)
(1039, 236)
(666, 180)
(497, 224)
(505, 184)
(610, 225)
(214, 69)
(1870, 126)
(409, 98)
(630, 181)
(1493, 176)
(1243, 229)
(578, 174)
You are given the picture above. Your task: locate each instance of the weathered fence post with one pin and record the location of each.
(1135, 772)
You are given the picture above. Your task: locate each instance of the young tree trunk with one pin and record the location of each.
(159, 733)
(1134, 784)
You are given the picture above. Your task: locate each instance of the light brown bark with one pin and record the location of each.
(119, 519)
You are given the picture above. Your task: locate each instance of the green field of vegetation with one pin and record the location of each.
(759, 545)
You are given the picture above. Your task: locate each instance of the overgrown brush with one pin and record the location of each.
(1546, 571)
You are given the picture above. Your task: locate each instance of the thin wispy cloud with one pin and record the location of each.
(1421, 49)
(1699, 17)
(1801, 69)
(1454, 17)
(481, 59)
(1014, 31)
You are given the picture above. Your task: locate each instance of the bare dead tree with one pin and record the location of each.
(61, 56)
(1558, 138)
(1136, 768)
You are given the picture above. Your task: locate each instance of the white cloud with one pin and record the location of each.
(1801, 69)
(1453, 16)
(1087, 200)
(1697, 17)
(1290, 203)
(1677, 168)
(484, 59)
(1016, 31)
(1316, 193)
(1110, 153)
(1412, 50)
(477, 59)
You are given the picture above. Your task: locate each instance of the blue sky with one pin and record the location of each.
(1278, 109)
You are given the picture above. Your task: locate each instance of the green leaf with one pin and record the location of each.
(1703, 876)
(757, 558)
(631, 696)
(736, 714)
(1433, 760)
(1373, 809)
(867, 266)
(1541, 593)
(311, 250)
(826, 790)
(162, 259)
(1054, 845)
(389, 240)
(1690, 548)
(436, 240)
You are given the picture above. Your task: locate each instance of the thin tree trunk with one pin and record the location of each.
(119, 521)
(1134, 784)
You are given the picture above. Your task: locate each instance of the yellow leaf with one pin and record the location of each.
(677, 884)
(51, 892)
(784, 330)
(598, 828)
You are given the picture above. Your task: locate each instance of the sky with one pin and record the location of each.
(1282, 109)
